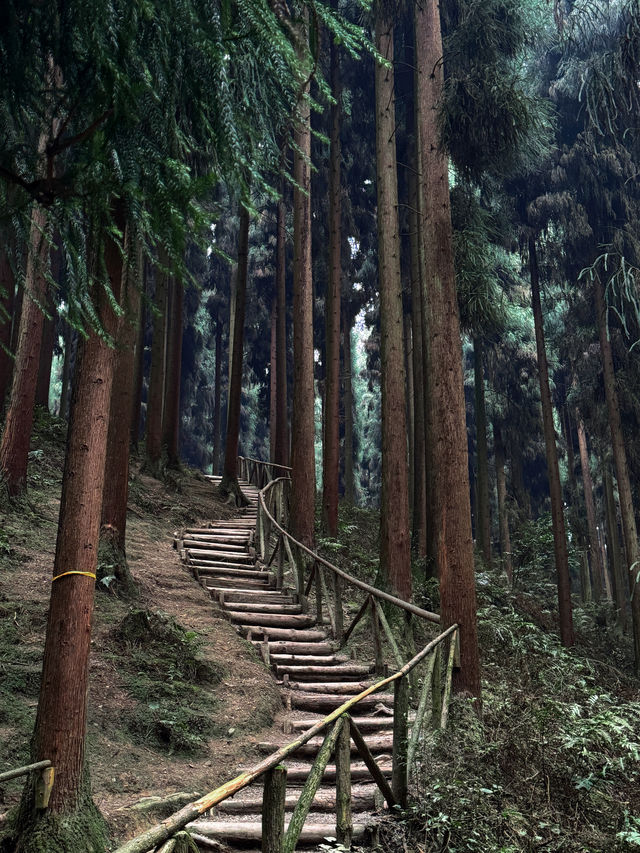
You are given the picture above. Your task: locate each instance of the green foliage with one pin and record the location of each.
(167, 677)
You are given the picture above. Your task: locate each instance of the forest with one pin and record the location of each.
(390, 249)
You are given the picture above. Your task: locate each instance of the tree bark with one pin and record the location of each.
(273, 378)
(452, 510)
(555, 488)
(575, 510)
(620, 584)
(331, 444)
(62, 707)
(70, 347)
(7, 303)
(303, 488)
(115, 494)
(347, 403)
(622, 472)
(155, 396)
(136, 407)
(282, 420)
(171, 416)
(483, 513)
(595, 557)
(407, 348)
(48, 329)
(395, 543)
(14, 449)
(419, 525)
(217, 398)
(229, 485)
(503, 515)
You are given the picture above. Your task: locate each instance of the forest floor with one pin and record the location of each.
(174, 707)
(178, 701)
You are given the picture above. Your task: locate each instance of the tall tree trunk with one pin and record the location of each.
(409, 401)
(445, 380)
(575, 512)
(171, 416)
(347, 403)
(282, 427)
(217, 398)
(520, 493)
(419, 525)
(138, 379)
(620, 585)
(70, 346)
(483, 513)
(115, 494)
(503, 515)
(62, 707)
(229, 487)
(395, 543)
(597, 568)
(7, 303)
(622, 472)
(14, 449)
(331, 444)
(155, 396)
(273, 378)
(555, 488)
(303, 488)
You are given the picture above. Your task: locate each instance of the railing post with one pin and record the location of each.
(339, 614)
(444, 717)
(280, 573)
(377, 641)
(436, 691)
(399, 778)
(259, 528)
(273, 808)
(319, 617)
(344, 821)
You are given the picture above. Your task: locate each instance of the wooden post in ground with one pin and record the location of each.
(319, 619)
(444, 717)
(425, 694)
(339, 615)
(344, 821)
(273, 797)
(312, 784)
(377, 642)
(400, 741)
(436, 691)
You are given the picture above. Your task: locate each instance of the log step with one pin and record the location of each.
(218, 556)
(289, 634)
(268, 596)
(359, 773)
(239, 832)
(331, 701)
(341, 687)
(208, 566)
(362, 799)
(322, 660)
(198, 547)
(378, 744)
(223, 583)
(262, 607)
(268, 620)
(293, 649)
(241, 574)
(314, 673)
(365, 724)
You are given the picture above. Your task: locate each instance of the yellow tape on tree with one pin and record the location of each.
(63, 574)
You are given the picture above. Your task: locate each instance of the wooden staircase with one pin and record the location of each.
(314, 678)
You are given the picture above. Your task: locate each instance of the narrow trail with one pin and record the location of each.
(312, 676)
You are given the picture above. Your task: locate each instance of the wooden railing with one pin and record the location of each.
(44, 775)
(307, 567)
(260, 473)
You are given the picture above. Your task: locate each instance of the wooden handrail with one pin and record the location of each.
(266, 464)
(23, 771)
(372, 590)
(162, 831)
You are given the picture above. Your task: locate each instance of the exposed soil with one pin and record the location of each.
(125, 766)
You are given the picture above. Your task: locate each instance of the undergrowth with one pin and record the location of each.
(164, 672)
